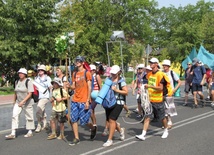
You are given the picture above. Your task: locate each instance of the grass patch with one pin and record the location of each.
(6, 90)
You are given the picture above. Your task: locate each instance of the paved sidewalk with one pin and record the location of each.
(6, 99)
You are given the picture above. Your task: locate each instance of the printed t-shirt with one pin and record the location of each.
(81, 86)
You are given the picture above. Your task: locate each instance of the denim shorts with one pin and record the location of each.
(196, 87)
(78, 112)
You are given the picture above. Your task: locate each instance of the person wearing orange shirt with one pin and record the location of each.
(80, 107)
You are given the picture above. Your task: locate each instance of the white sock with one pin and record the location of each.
(13, 132)
(165, 130)
(143, 132)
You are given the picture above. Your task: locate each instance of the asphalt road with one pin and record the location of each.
(192, 133)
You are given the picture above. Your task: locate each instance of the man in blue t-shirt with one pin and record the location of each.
(199, 74)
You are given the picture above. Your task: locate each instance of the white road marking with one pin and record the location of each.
(126, 143)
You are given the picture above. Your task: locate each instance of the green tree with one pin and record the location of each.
(28, 36)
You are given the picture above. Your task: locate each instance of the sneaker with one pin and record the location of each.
(135, 111)
(28, 135)
(93, 133)
(51, 136)
(108, 143)
(10, 136)
(139, 116)
(203, 104)
(38, 129)
(61, 137)
(105, 132)
(165, 134)
(122, 134)
(194, 106)
(185, 104)
(140, 137)
(74, 142)
(212, 104)
(128, 113)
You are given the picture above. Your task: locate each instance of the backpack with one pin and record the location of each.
(167, 88)
(35, 94)
(65, 101)
(110, 100)
(92, 79)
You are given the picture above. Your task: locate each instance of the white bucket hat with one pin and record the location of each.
(23, 71)
(42, 67)
(140, 66)
(115, 69)
(166, 62)
(57, 80)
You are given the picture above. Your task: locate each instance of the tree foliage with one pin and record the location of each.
(28, 30)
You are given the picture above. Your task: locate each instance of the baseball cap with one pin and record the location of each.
(166, 62)
(115, 69)
(195, 60)
(93, 67)
(23, 71)
(79, 58)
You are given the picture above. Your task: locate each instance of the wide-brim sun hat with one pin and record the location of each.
(23, 71)
(42, 67)
(115, 69)
(140, 66)
(166, 62)
(57, 80)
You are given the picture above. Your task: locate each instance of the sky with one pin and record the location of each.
(177, 3)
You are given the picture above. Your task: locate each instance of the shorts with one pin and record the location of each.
(187, 88)
(196, 87)
(158, 111)
(78, 112)
(212, 86)
(60, 116)
(113, 113)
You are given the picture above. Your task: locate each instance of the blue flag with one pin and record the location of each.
(206, 57)
(193, 54)
(185, 62)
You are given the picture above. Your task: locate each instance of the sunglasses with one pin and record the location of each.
(140, 68)
(189, 64)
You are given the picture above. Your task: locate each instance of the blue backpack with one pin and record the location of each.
(110, 100)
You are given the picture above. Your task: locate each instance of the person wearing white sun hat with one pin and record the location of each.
(43, 82)
(22, 101)
(175, 83)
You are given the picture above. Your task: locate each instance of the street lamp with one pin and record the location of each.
(114, 36)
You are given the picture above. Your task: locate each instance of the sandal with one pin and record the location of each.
(28, 135)
(10, 136)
